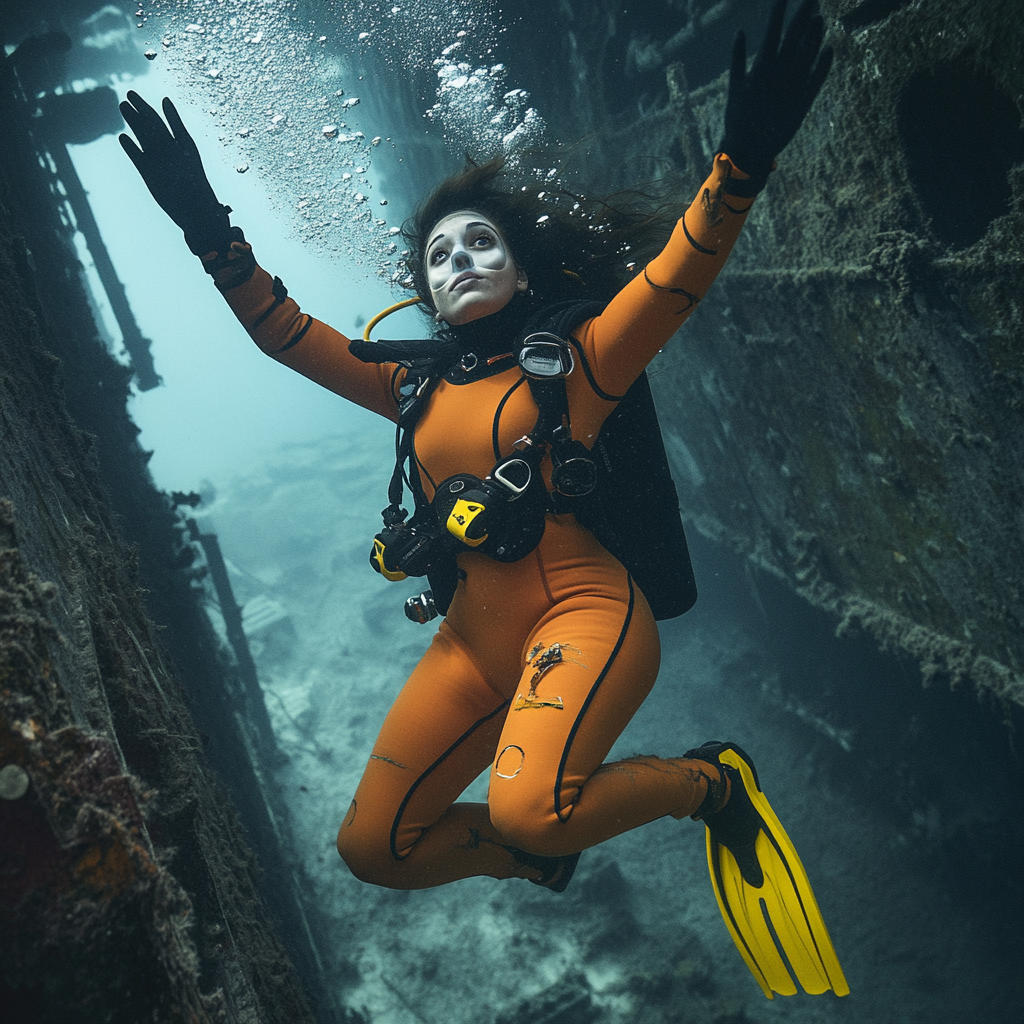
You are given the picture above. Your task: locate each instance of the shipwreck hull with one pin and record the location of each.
(846, 405)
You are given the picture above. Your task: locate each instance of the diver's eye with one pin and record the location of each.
(483, 241)
(437, 256)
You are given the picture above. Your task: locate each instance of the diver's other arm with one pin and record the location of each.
(764, 109)
(169, 163)
(275, 322)
(168, 160)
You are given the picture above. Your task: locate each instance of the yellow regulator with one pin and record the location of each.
(465, 522)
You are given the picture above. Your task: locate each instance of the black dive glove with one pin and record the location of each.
(767, 104)
(172, 169)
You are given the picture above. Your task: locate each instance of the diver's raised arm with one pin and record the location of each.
(168, 160)
(764, 109)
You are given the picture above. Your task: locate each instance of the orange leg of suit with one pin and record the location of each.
(535, 672)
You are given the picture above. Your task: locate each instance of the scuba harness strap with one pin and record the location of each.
(622, 490)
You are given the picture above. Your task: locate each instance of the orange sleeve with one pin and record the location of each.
(281, 330)
(649, 310)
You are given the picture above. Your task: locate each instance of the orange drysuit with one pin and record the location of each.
(541, 663)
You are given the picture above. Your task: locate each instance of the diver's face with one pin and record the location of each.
(470, 270)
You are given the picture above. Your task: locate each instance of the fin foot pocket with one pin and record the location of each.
(762, 888)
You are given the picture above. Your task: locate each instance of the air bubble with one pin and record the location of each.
(242, 168)
(329, 131)
(14, 782)
(375, 141)
(393, 231)
(363, 36)
(150, 55)
(383, 202)
(352, 101)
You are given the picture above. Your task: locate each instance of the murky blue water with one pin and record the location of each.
(321, 124)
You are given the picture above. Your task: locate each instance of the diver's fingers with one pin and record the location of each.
(143, 120)
(803, 39)
(134, 153)
(773, 33)
(178, 128)
(738, 69)
(131, 116)
(139, 103)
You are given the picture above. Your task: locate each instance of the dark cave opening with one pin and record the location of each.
(961, 134)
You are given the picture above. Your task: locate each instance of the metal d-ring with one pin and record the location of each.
(498, 473)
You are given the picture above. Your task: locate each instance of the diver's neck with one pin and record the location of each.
(494, 334)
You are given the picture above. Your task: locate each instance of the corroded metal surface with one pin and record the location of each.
(846, 406)
(127, 887)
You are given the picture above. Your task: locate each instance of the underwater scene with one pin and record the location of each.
(618, 618)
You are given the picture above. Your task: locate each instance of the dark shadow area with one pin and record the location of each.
(869, 12)
(943, 764)
(961, 134)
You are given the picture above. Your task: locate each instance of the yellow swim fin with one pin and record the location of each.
(762, 889)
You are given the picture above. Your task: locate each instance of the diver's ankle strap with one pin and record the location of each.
(717, 795)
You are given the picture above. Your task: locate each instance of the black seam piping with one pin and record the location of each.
(586, 704)
(689, 296)
(589, 374)
(263, 316)
(497, 417)
(693, 241)
(412, 789)
(394, 380)
(298, 337)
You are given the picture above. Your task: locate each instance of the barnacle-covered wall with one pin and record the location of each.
(128, 886)
(847, 406)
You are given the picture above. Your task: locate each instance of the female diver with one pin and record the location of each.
(548, 647)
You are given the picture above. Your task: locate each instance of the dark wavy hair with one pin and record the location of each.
(570, 247)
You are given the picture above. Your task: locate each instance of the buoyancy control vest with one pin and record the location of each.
(621, 489)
